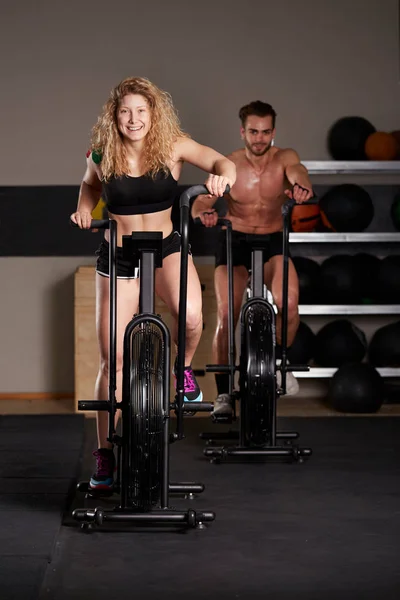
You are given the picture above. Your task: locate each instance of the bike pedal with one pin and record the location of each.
(102, 493)
(223, 419)
(189, 413)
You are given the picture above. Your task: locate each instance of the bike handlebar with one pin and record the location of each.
(290, 203)
(95, 224)
(286, 207)
(194, 191)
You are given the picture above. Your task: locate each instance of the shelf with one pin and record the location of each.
(312, 238)
(369, 167)
(349, 309)
(326, 372)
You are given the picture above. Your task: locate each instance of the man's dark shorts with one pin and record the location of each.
(241, 248)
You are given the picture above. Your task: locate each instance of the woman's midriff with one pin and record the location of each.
(126, 224)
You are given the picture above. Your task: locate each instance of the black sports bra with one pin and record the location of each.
(139, 195)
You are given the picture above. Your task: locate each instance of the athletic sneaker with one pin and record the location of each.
(292, 385)
(103, 477)
(222, 405)
(191, 388)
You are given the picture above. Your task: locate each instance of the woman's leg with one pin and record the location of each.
(127, 306)
(168, 287)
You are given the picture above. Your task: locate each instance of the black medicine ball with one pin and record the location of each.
(384, 347)
(356, 388)
(347, 137)
(346, 208)
(339, 280)
(367, 267)
(395, 212)
(302, 349)
(388, 280)
(339, 342)
(308, 272)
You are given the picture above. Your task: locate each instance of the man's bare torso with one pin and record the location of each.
(255, 201)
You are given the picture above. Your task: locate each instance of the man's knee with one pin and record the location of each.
(292, 303)
(222, 311)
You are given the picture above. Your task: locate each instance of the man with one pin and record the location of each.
(266, 177)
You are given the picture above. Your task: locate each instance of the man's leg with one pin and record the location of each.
(273, 276)
(221, 338)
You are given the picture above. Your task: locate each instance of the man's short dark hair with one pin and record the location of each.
(257, 108)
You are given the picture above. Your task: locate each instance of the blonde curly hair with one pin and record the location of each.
(164, 130)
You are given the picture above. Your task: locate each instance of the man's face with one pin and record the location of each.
(258, 134)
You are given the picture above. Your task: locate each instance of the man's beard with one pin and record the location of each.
(256, 152)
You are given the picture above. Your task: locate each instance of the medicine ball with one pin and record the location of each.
(388, 280)
(305, 217)
(396, 135)
(384, 347)
(339, 342)
(367, 267)
(395, 212)
(356, 388)
(381, 145)
(346, 207)
(308, 272)
(339, 280)
(302, 349)
(347, 137)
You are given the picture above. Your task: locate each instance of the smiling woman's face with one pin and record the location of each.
(133, 117)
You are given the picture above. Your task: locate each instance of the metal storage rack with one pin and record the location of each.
(375, 168)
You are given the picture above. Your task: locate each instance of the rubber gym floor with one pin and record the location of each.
(326, 529)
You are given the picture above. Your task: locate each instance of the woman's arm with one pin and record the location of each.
(222, 170)
(89, 195)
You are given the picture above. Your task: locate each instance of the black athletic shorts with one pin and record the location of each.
(126, 268)
(241, 247)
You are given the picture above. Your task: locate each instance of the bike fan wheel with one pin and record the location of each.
(258, 383)
(146, 415)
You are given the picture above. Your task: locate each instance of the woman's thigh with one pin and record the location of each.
(168, 283)
(127, 306)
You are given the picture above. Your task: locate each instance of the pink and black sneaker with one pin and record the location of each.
(191, 388)
(103, 477)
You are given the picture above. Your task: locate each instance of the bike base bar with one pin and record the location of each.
(234, 435)
(195, 407)
(184, 487)
(98, 516)
(275, 451)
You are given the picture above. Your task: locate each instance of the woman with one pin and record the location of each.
(136, 158)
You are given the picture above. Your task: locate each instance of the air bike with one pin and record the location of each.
(257, 393)
(142, 480)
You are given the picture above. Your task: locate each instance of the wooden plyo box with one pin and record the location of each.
(86, 357)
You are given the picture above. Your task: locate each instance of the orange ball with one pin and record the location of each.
(381, 146)
(305, 217)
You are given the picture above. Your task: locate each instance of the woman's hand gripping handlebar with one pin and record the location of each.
(209, 216)
(94, 224)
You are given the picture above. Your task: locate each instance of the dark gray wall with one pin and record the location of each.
(314, 61)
